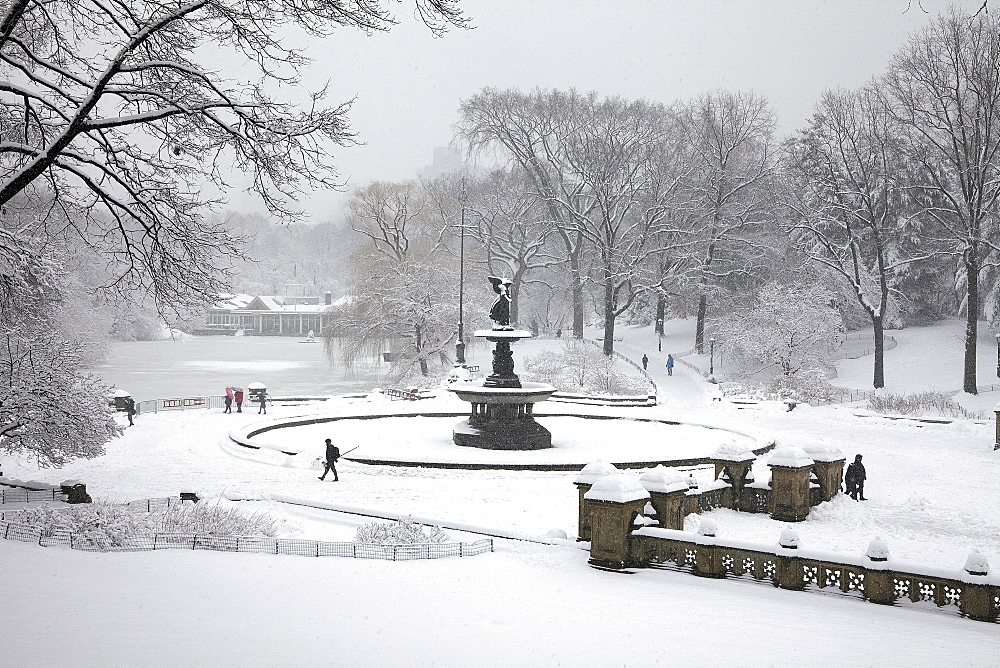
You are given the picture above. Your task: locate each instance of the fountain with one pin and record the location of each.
(502, 406)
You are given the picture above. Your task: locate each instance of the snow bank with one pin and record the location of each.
(594, 471)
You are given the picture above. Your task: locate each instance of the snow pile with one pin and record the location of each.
(790, 456)
(731, 451)
(662, 479)
(789, 538)
(878, 549)
(617, 488)
(594, 471)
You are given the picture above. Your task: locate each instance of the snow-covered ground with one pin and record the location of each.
(528, 603)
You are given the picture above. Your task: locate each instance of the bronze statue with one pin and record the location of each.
(500, 311)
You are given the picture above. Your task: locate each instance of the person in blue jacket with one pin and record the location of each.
(670, 365)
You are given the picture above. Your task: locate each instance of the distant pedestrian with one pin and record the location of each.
(645, 361)
(130, 409)
(229, 400)
(670, 364)
(559, 333)
(855, 479)
(239, 401)
(332, 455)
(262, 398)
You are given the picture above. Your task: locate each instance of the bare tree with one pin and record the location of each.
(944, 89)
(523, 126)
(846, 195)
(110, 113)
(730, 135)
(401, 284)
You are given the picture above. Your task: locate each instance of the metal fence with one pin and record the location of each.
(256, 544)
(11, 529)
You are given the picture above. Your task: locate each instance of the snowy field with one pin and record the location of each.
(529, 603)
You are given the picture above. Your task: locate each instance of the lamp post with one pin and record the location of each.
(659, 330)
(711, 356)
(460, 344)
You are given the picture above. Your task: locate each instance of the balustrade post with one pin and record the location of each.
(879, 586)
(707, 560)
(589, 474)
(789, 574)
(790, 467)
(667, 492)
(977, 597)
(614, 501)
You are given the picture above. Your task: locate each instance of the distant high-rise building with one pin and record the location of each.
(446, 159)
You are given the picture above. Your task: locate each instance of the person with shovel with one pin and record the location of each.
(332, 455)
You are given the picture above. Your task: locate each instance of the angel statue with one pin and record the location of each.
(500, 311)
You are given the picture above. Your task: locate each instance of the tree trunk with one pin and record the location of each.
(609, 317)
(877, 327)
(971, 322)
(577, 285)
(514, 290)
(418, 338)
(699, 332)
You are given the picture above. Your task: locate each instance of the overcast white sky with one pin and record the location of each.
(408, 84)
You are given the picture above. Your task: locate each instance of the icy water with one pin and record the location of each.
(205, 365)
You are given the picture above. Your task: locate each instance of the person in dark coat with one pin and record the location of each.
(239, 401)
(130, 409)
(263, 403)
(332, 455)
(670, 365)
(229, 404)
(855, 479)
(645, 361)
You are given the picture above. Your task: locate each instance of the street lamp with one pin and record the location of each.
(460, 344)
(659, 330)
(711, 356)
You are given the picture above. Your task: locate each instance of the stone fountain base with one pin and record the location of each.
(502, 417)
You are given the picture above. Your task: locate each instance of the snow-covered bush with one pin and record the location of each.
(105, 524)
(922, 403)
(808, 386)
(101, 523)
(202, 518)
(581, 367)
(400, 532)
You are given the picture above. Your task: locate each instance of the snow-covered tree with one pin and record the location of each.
(729, 192)
(845, 190)
(402, 285)
(788, 329)
(943, 88)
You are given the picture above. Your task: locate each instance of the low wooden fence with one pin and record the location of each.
(880, 581)
(24, 495)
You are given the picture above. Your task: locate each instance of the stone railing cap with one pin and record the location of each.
(661, 479)
(790, 456)
(617, 488)
(594, 471)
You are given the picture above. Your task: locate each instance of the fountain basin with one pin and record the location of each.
(502, 416)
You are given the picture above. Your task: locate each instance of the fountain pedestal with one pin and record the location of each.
(502, 406)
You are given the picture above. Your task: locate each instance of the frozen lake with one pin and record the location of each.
(206, 365)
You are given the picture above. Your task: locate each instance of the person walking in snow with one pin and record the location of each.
(130, 410)
(239, 401)
(229, 400)
(645, 361)
(670, 364)
(855, 479)
(263, 403)
(332, 455)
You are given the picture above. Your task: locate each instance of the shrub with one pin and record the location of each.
(105, 524)
(582, 367)
(398, 533)
(923, 403)
(808, 386)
